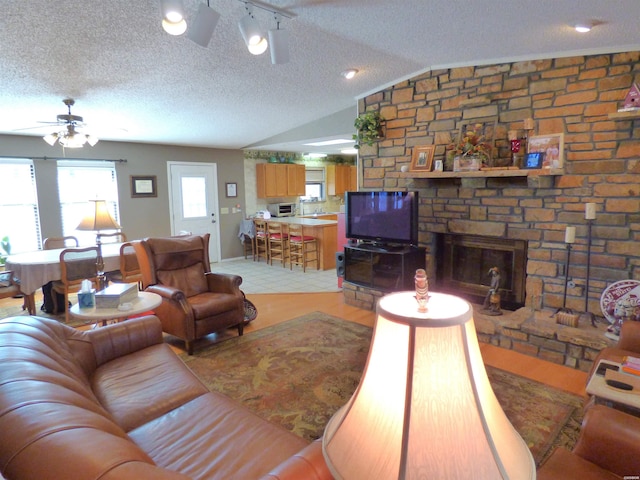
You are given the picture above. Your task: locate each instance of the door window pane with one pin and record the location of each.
(194, 197)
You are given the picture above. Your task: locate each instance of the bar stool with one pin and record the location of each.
(261, 240)
(303, 249)
(278, 241)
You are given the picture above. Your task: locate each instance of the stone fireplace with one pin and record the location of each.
(463, 263)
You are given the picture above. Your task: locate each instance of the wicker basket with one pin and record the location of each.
(567, 318)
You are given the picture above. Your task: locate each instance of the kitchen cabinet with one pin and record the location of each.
(280, 180)
(341, 178)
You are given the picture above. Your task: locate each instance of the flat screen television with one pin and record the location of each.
(388, 218)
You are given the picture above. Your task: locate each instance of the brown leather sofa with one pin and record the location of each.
(608, 448)
(118, 403)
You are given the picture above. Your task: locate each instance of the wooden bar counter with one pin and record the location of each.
(325, 231)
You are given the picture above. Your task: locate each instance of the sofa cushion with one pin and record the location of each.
(190, 280)
(210, 304)
(232, 442)
(144, 385)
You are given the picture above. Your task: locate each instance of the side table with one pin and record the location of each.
(627, 401)
(145, 301)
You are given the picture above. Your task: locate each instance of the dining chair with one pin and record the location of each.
(115, 237)
(8, 286)
(129, 266)
(303, 249)
(51, 243)
(76, 265)
(261, 240)
(278, 240)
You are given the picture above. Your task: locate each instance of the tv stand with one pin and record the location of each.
(385, 268)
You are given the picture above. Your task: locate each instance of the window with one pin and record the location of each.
(315, 185)
(79, 182)
(19, 205)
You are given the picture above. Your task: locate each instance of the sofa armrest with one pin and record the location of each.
(224, 282)
(610, 439)
(307, 464)
(126, 337)
(630, 337)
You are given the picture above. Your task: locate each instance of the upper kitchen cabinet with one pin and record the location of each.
(341, 178)
(280, 180)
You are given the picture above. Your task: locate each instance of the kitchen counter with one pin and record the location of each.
(326, 233)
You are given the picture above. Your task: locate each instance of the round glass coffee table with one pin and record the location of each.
(144, 302)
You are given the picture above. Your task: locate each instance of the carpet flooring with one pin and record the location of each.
(298, 373)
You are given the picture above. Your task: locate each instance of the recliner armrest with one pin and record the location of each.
(610, 439)
(630, 337)
(308, 464)
(123, 338)
(224, 282)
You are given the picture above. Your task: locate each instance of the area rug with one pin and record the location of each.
(298, 373)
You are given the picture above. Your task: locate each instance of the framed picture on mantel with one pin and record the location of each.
(552, 146)
(422, 158)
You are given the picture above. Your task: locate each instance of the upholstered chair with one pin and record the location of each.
(195, 301)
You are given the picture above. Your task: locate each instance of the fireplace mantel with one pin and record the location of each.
(485, 173)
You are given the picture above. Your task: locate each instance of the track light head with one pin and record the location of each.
(203, 26)
(252, 33)
(173, 21)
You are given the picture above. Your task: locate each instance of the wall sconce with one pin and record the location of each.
(424, 407)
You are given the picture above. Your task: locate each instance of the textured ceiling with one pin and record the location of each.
(133, 82)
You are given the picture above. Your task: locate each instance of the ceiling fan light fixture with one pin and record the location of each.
(203, 26)
(51, 138)
(92, 140)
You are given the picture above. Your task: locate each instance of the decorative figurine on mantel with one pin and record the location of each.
(492, 300)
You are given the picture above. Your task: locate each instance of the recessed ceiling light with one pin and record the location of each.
(349, 74)
(329, 142)
(584, 27)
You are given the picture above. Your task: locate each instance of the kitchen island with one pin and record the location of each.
(326, 233)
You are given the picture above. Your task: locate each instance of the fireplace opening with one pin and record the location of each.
(463, 263)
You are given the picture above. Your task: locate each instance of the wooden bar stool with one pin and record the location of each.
(261, 240)
(278, 240)
(303, 249)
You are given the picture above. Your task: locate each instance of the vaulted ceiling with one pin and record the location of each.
(133, 82)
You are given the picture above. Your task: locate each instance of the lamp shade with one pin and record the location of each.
(424, 407)
(201, 30)
(98, 218)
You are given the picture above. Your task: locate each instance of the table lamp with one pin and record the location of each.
(96, 220)
(424, 407)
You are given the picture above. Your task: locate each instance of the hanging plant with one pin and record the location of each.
(368, 128)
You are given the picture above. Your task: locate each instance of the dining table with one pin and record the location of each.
(32, 270)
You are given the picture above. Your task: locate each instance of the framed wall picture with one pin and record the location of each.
(143, 186)
(422, 158)
(231, 189)
(552, 146)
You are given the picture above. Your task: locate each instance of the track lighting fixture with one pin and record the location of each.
(204, 24)
(252, 33)
(173, 21)
(279, 43)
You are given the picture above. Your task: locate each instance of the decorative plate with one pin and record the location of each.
(621, 301)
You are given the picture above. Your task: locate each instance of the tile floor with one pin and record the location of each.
(260, 277)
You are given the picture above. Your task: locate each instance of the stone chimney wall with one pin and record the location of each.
(573, 96)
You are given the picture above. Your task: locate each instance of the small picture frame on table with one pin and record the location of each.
(231, 189)
(533, 160)
(422, 158)
(143, 186)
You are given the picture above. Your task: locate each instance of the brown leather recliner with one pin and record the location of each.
(195, 301)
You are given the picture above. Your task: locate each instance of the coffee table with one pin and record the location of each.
(144, 302)
(628, 401)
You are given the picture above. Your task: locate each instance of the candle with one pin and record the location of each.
(570, 235)
(590, 211)
(528, 123)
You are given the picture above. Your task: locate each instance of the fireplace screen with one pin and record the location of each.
(464, 262)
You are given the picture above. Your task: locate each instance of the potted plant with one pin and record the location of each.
(368, 127)
(5, 246)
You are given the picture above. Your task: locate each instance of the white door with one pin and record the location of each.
(193, 196)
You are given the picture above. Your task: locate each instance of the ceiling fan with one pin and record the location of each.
(69, 133)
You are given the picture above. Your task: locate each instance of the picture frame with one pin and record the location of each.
(485, 128)
(143, 186)
(533, 160)
(552, 145)
(231, 189)
(422, 158)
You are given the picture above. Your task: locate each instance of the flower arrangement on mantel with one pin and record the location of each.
(368, 127)
(473, 143)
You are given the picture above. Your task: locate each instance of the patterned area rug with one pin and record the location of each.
(298, 373)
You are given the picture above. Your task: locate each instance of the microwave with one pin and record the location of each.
(282, 209)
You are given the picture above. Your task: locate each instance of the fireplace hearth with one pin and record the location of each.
(463, 263)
